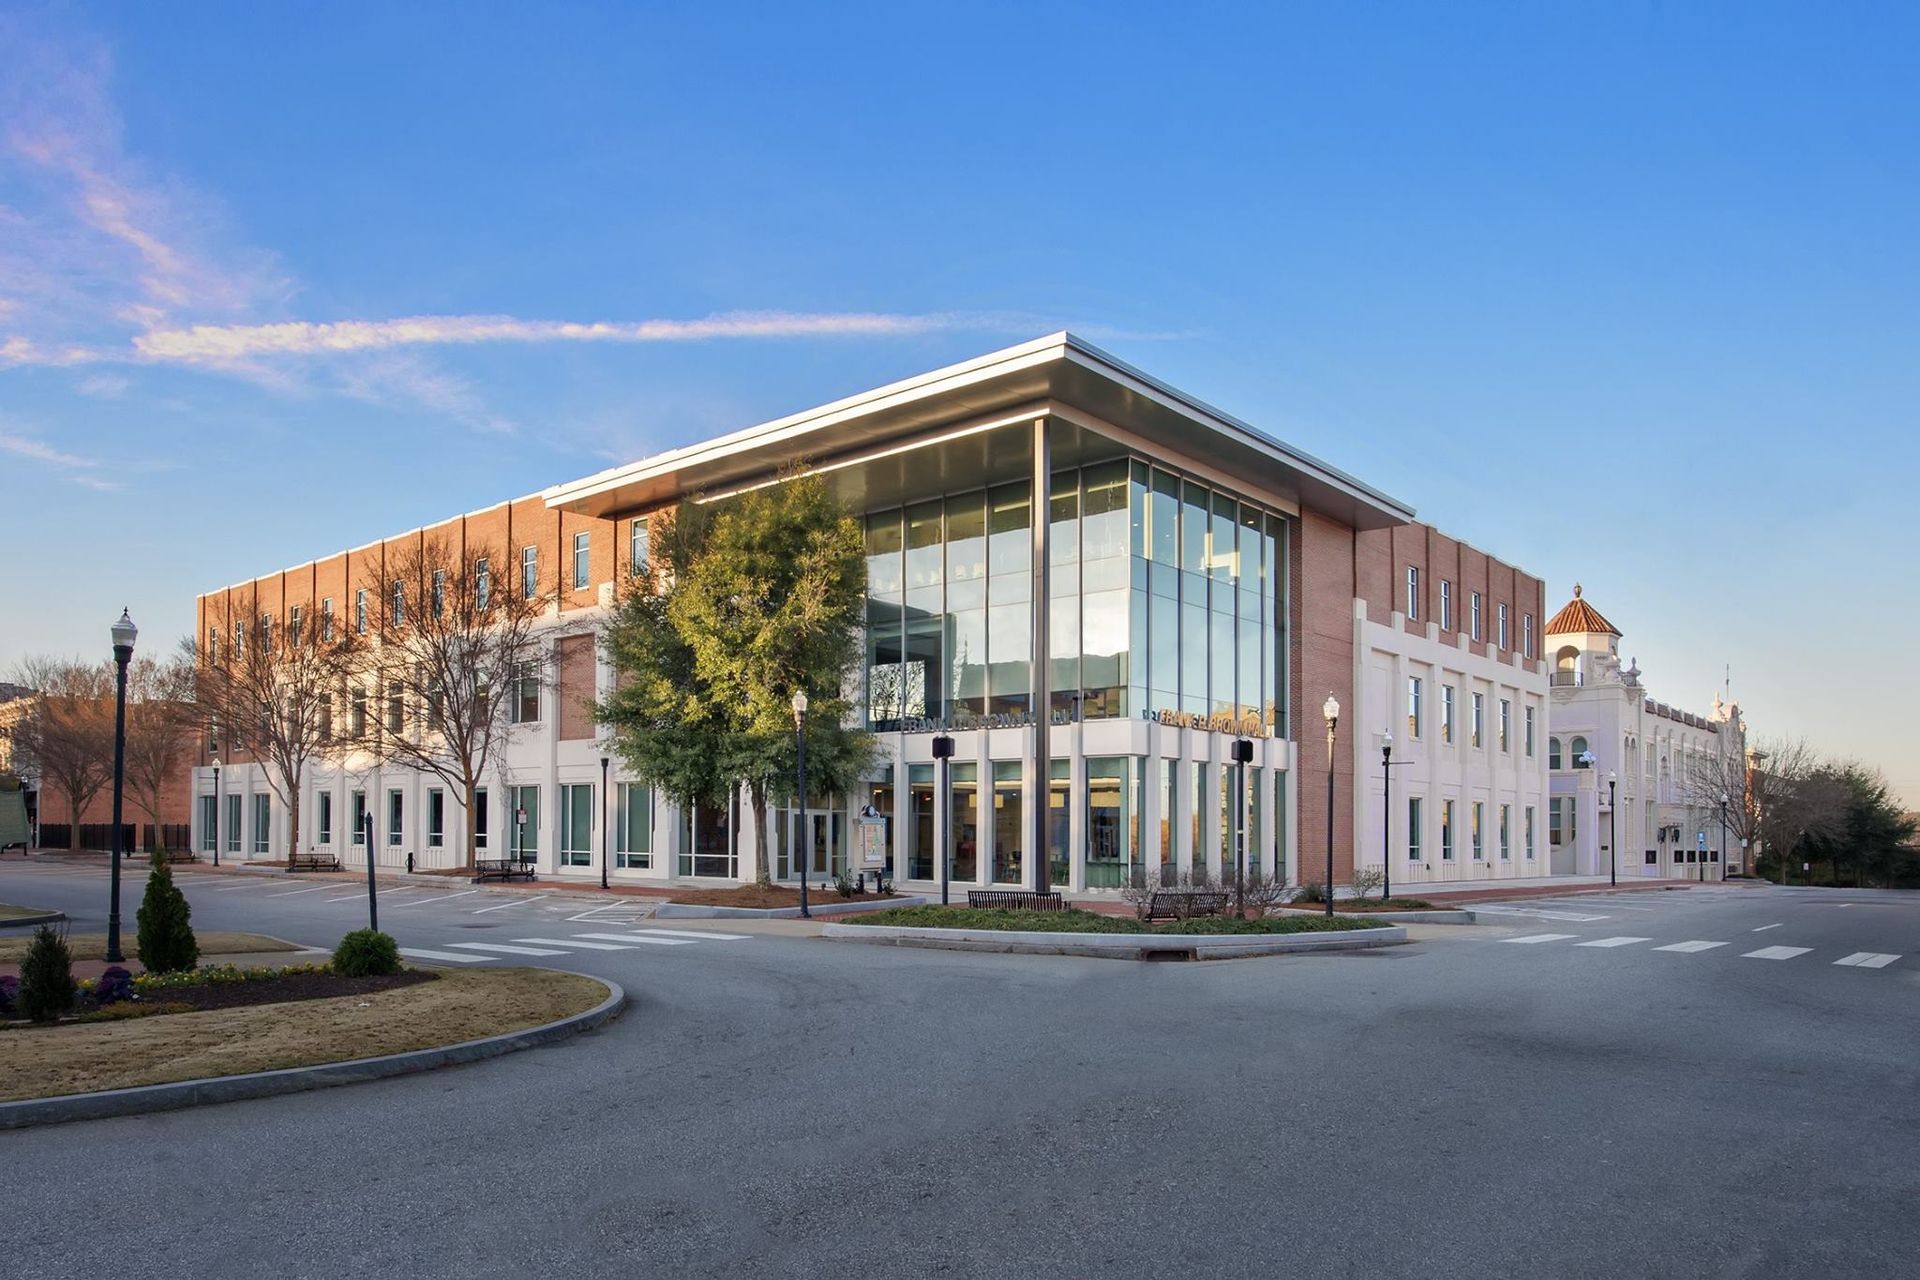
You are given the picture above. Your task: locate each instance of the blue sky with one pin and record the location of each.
(1626, 294)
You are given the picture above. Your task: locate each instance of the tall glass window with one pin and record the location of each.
(576, 824)
(963, 823)
(1009, 831)
(633, 825)
(1009, 599)
(1111, 840)
(523, 822)
(922, 797)
(1414, 827)
(262, 822)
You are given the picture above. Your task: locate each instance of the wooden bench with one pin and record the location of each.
(177, 855)
(1183, 904)
(312, 862)
(1015, 900)
(502, 869)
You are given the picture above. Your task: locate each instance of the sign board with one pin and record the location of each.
(870, 834)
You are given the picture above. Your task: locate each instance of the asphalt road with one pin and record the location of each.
(780, 1105)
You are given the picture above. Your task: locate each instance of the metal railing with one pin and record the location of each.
(1566, 679)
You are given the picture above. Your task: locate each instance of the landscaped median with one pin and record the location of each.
(1075, 932)
(11, 914)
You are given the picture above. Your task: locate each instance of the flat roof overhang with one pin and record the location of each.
(947, 405)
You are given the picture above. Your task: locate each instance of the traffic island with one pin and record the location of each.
(1087, 933)
(11, 915)
(128, 1065)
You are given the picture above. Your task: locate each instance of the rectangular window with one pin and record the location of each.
(436, 817)
(209, 818)
(323, 824)
(296, 617)
(1555, 835)
(1446, 713)
(326, 620)
(359, 811)
(1528, 713)
(582, 561)
(1413, 706)
(1474, 615)
(576, 824)
(360, 612)
(1500, 636)
(482, 584)
(357, 714)
(1529, 832)
(1506, 725)
(1526, 634)
(213, 643)
(262, 822)
(1413, 592)
(399, 603)
(523, 822)
(239, 636)
(1479, 837)
(439, 596)
(1653, 858)
(1446, 830)
(1506, 833)
(633, 823)
(638, 548)
(529, 572)
(396, 708)
(1413, 828)
(396, 816)
(1446, 605)
(526, 700)
(235, 837)
(1479, 719)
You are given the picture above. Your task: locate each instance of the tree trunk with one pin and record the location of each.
(293, 819)
(472, 835)
(763, 872)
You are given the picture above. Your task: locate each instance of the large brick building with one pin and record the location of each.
(1195, 583)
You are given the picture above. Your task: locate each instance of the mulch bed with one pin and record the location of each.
(295, 986)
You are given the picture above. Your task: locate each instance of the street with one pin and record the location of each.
(1710, 1081)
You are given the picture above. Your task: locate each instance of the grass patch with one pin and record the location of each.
(10, 912)
(93, 946)
(1074, 921)
(38, 1063)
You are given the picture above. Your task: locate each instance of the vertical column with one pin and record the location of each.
(1040, 770)
(1152, 787)
(1076, 806)
(1213, 776)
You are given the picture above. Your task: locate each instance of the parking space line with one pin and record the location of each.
(501, 946)
(417, 902)
(504, 905)
(1542, 937)
(634, 937)
(576, 942)
(1776, 953)
(1612, 942)
(1763, 928)
(451, 957)
(318, 888)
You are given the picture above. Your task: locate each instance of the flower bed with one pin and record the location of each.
(117, 995)
(1076, 921)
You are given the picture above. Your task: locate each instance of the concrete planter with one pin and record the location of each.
(1120, 946)
(828, 907)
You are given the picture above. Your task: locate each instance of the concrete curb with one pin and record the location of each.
(1443, 915)
(832, 907)
(1120, 946)
(266, 1084)
(51, 917)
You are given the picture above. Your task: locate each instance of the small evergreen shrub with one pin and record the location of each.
(166, 941)
(366, 953)
(1312, 891)
(47, 989)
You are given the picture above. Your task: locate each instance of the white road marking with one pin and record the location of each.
(1868, 959)
(1572, 917)
(415, 902)
(451, 957)
(315, 889)
(1691, 946)
(501, 946)
(1612, 942)
(238, 888)
(576, 942)
(1763, 928)
(386, 895)
(635, 937)
(504, 905)
(1542, 937)
(688, 933)
(1777, 953)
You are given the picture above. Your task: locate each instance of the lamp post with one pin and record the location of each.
(124, 633)
(1242, 757)
(606, 835)
(1613, 832)
(1386, 816)
(216, 811)
(1331, 710)
(373, 904)
(943, 807)
(1725, 800)
(800, 804)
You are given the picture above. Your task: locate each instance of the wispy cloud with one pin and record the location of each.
(80, 470)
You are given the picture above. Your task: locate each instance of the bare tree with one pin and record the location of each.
(1779, 793)
(160, 728)
(271, 696)
(459, 652)
(66, 736)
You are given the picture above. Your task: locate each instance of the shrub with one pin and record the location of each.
(9, 994)
(366, 953)
(1255, 891)
(1312, 891)
(166, 941)
(46, 977)
(1368, 881)
(1138, 891)
(114, 985)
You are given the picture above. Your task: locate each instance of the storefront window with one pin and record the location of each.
(1009, 831)
(921, 800)
(963, 822)
(1111, 841)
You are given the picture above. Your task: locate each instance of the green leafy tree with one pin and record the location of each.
(166, 941)
(46, 977)
(743, 604)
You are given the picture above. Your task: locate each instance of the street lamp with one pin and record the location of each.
(216, 811)
(1386, 816)
(1613, 831)
(1242, 757)
(606, 835)
(943, 807)
(1331, 710)
(1725, 800)
(124, 633)
(800, 805)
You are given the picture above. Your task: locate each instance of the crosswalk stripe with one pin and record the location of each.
(1868, 960)
(635, 937)
(1612, 942)
(1542, 937)
(1691, 946)
(1777, 953)
(452, 957)
(698, 937)
(501, 946)
(576, 942)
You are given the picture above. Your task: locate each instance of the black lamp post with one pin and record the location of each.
(606, 834)
(1613, 840)
(216, 811)
(1242, 757)
(1386, 816)
(1725, 800)
(1331, 710)
(943, 806)
(124, 633)
(800, 804)
(373, 905)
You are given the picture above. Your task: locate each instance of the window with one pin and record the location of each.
(1653, 858)
(326, 620)
(357, 714)
(581, 562)
(359, 812)
(1479, 839)
(1473, 615)
(396, 816)
(1506, 833)
(262, 822)
(1526, 634)
(396, 708)
(1413, 591)
(1529, 833)
(1529, 731)
(324, 714)
(213, 643)
(524, 822)
(482, 585)
(1506, 725)
(234, 835)
(323, 825)
(1413, 828)
(1479, 719)
(1577, 749)
(1555, 833)
(360, 612)
(1446, 605)
(638, 548)
(266, 630)
(1413, 706)
(399, 603)
(436, 817)
(1446, 713)
(1446, 830)
(633, 824)
(529, 572)
(239, 636)
(576, 824)
(439, 596)
(1500, 624)
(1553, 748)
(526, 699)
(209, 817)
(295, 617)
(479, 819)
